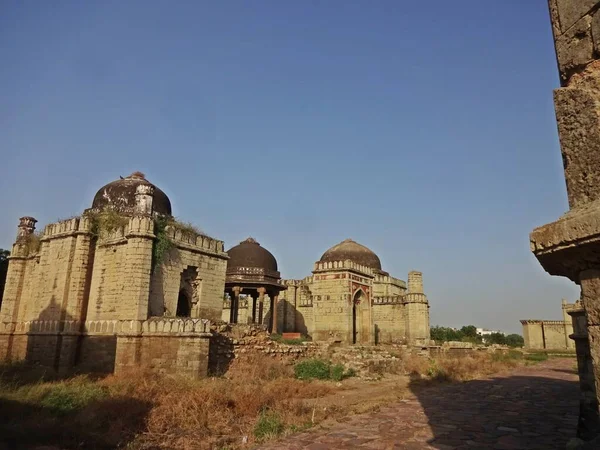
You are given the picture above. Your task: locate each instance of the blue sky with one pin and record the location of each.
(423, 130)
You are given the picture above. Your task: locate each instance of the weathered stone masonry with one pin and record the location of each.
(88, 301)
(570, 246)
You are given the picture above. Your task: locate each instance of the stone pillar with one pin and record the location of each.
(274, 298)
(81, 273)
(415, 282)
(235, 304)
(570, 247)
(253, 296)
(26, 228)
(261, 300)
(589, 423)
(16, 271)
(138, 268)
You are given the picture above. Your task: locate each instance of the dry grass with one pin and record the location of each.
(144, 410)
(466, 367)
(258, 400)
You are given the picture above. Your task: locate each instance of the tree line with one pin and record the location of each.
(468, 333)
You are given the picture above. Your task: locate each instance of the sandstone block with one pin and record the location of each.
(575, 48)
(578, 118)
(569, 11)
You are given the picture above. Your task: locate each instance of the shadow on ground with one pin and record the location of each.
(516, 412)
(51, 416)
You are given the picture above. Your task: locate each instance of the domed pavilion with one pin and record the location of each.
(252, 272)
(122, 285)
(349, 298)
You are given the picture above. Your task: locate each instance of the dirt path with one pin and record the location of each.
(531, 407)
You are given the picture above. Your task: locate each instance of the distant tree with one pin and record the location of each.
(496, 338)
(469, 331)
(445, 334)
(515, 340)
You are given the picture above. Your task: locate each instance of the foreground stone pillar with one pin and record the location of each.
(589, 424)
(261, 300)
(274, 299)
(570, 247)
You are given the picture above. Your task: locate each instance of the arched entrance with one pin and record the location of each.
(183, 305)
(360, 318)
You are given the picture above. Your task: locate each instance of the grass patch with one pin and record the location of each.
(319, 369)
(279, 338)
(65, 398)
(536, 357)
(268, 426)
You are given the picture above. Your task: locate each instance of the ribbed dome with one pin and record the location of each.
(120, 194)
(249, 253)
(353, 251)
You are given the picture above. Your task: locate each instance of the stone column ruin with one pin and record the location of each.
(570, 247)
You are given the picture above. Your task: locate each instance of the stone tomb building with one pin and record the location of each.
(348, 298)
(550, 334)
(126, 285)
(90, 293)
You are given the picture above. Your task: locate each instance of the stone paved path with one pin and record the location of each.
(533, 407)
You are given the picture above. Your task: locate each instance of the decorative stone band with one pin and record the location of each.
(343, 265)
(162, 326)
(412, 297)
(536, 321)
(389, 300)
(292, 282)
(400, 299)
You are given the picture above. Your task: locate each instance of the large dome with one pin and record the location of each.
(120, 194)
(353, 251)
(249, 253)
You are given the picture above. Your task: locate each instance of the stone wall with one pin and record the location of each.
(547, 334)
(246, 342)
(206, 257)
(174, 346)
(390, 320)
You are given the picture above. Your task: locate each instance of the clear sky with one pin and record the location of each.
(423, 130)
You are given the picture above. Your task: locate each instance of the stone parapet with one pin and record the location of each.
(64, 228)
(195, 242)
(536, 321)
(391, 280)
(343, 265)
(415, 298)
(111, 327)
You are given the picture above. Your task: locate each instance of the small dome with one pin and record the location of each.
(120, 194)
(249, 253)
(353, 251)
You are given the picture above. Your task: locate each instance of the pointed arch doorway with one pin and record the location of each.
(360, 318)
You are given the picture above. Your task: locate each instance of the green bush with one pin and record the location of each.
(312, 369)
(64, 398)
(337, 372)
(321, 370)
(269, 425)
